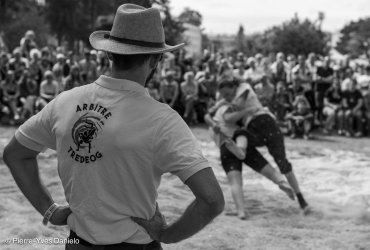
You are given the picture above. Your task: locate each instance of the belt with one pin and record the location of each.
(154, 245)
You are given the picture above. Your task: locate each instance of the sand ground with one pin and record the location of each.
(334, 174)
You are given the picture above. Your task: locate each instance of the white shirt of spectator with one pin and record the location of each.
(113, 144)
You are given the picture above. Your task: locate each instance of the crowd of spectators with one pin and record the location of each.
(303, 93)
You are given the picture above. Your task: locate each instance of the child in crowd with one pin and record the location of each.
(302, 117)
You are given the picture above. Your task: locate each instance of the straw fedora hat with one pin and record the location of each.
(136, 30)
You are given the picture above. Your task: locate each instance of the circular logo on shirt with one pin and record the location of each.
(85, 130)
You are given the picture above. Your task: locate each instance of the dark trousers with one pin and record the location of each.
(84, 245)
(264, 131)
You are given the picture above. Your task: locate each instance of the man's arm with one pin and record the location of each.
(209, 202)
(23, 166)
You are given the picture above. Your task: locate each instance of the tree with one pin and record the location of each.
(297, 37)
(191, 16)
(240, 40)
(16, 17)
(355, 39)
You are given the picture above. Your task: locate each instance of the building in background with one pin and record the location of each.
(193, 37)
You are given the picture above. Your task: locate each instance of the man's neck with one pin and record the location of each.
(132, 75)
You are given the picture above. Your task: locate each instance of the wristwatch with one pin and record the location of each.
(49, 213)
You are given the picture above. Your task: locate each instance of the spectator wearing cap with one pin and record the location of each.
(88, 68)
(11, 93)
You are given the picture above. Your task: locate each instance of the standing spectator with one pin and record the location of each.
(363, 80)
(351, 115)
(311, 64)
(88, 68)
(169, 89)
(225, 70)
(28, 43)
(302, 74)
(291, 62)
(332, 105)
(325, 76)
(265, 92)
(189, 89)
(11, 93)
(74, 79)
(280, 69)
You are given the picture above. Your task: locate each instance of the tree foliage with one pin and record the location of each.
(355, 39)
(294, 36)
(16, 17)
(191, 16)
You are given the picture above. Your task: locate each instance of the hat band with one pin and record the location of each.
(134, 42)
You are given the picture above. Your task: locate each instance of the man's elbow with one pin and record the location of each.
(216, 204)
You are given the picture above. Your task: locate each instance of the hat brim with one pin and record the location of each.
(99, 41)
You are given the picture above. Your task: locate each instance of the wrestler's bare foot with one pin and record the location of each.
(243, 215)
(284, 186)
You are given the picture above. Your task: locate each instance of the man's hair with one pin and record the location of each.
(127, 62)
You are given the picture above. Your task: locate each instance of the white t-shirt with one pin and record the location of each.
(113, 143)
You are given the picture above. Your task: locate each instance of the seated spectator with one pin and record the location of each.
(301, 118)
(283, 101)
(49, 89)
(351, 114)
(332, 104)
(46, 63)
(11, 93)
(265, 92)
(74, 79)
(18, 63)
(189, 90)
(60, 70)
(169, 89)
(35, 69)
(28, 95)
(153, 91)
